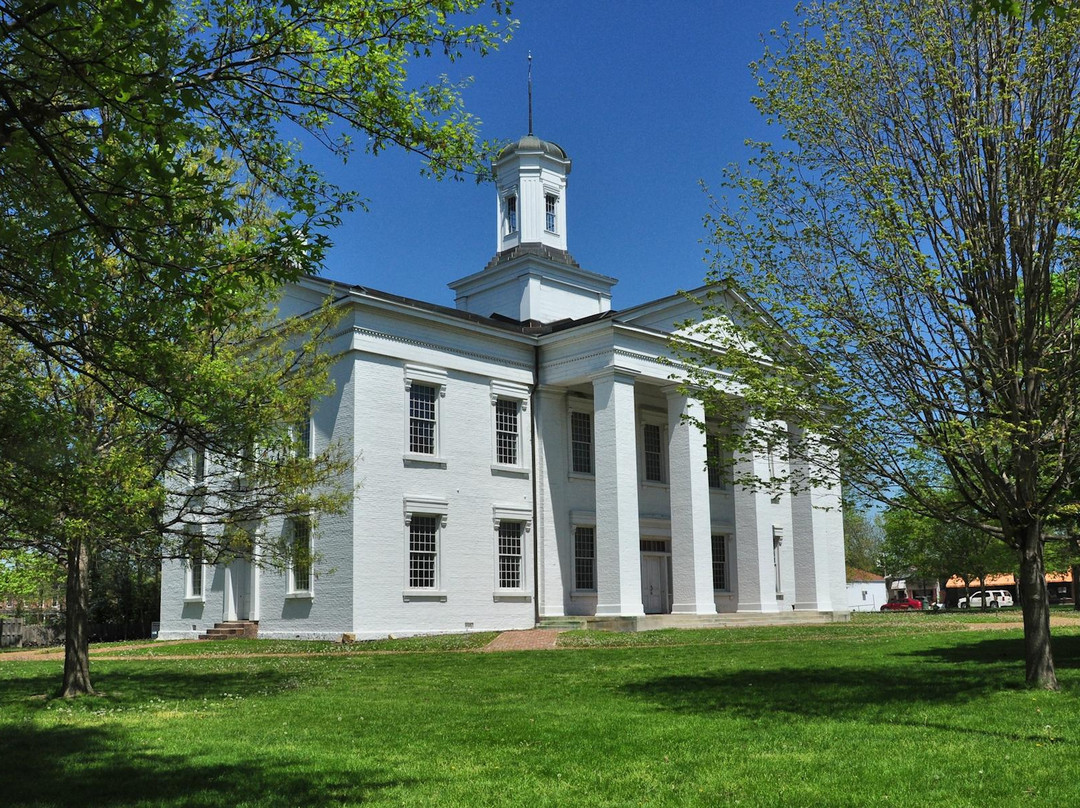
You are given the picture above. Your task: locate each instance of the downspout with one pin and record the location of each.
(535, 473)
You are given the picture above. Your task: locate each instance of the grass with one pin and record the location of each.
(886, 710)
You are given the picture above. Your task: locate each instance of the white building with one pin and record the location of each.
(523, 459)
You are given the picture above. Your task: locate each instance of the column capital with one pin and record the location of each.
(614, 372)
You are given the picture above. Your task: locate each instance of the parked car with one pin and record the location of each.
(901, 605)
(994, 598)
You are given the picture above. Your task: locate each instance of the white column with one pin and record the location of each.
(754, 539)
(817, 527)
(691, 533)
(618, 538)
(555, 558)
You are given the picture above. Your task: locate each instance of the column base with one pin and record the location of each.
(759, 608)
(693, 608)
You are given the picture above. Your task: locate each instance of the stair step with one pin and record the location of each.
(230, 629)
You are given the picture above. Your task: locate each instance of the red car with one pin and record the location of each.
(901, 605)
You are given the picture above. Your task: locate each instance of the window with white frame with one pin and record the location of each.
(777, 541)
(511, 214)
(300, 435)
(509, 402)
(720, 580)
(425, 389)
(423, 551)
(507, 426)
(300, 555)
(195, 563)
(652, 450)
(717, 462)
(550, 202)
(585, 558)
(511, 553)
(581, 442)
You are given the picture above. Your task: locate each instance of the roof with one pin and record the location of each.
(858, 576)
(1007, 579)
(533, 143)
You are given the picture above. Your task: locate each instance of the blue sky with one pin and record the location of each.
(647, 99)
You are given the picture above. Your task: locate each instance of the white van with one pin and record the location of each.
(995, 599)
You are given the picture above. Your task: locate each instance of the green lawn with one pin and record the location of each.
(911, 710)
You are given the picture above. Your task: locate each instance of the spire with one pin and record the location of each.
(530, 93)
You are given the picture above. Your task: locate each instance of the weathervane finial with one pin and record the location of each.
(530, 93)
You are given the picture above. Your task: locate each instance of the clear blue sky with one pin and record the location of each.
(647, 99)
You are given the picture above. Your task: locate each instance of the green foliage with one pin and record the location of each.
(911, 244)
(862, 540)
(154, 201)
(29, 579)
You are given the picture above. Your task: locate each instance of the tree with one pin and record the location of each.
(30, 579)
(862, 540)
(154, 199)
(913, 250)
(940, 550)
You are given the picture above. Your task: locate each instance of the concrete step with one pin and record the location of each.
(230, 629)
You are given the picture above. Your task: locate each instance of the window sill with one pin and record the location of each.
(197, 599)
(509, 471)
(423, 596)
(299, 596)
(511, 597)
(412, 459)
(583, 594)
(726, 594)
(581, 475)
(654, 484)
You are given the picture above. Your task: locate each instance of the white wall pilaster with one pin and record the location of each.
(618, 538)
(754, 539)
(691, 543)
(818, 533)
(554, 558)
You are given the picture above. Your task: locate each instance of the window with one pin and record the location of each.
(299, 529)
(301, 437)
(423, 551)
(425, 517)
(549, 212)
(653, 451)
(422, 422)
(506, 431)
(714, 455)
(719, 562)
(425, 388)
(511, 214)
(777, 540)
(510, 554)
(585, 558)
(581, 442)
(196, 568)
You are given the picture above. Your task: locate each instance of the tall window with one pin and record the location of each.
(506, 431)
(719, 562)
(510, 554)
(423, 551)
(299, 555)
(714, 456)
(653, 449)
(581, 442)
(196, 560)
(301, 435)
(777, 540)
(550, 201)
(511, 214)
(585, 558)
(422, 398)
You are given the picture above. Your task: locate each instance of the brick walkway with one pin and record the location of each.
(534, 639)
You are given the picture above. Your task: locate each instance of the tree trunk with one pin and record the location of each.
(1036, 607)
(76, 635)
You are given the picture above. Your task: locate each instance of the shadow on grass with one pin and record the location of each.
(107, 765)
(900, 686)
(96, 767)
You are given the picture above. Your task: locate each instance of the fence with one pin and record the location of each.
(15, 632)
